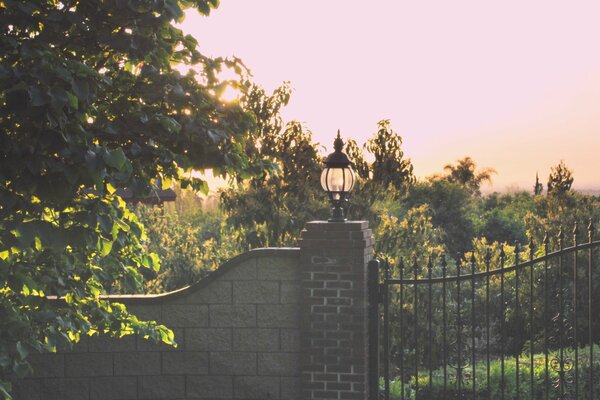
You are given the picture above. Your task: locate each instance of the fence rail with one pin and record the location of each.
(511, 323)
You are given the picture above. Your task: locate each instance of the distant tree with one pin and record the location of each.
(560, 179)
(465, 174)
(390, 174)
(273, 208)
(538, 188)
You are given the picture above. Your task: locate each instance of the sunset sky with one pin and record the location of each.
(513, 84)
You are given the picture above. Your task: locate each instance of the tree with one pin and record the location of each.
(389, 175)
(271, 209)
(89, 102)
(538, 188)
(560, 179)
(464, 173)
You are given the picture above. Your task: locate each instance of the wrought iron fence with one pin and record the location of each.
(505, 323)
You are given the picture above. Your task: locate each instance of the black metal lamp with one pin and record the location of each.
(337, 179)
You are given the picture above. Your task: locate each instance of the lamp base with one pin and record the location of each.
(337, 215)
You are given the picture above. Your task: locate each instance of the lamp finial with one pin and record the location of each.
(338, 143)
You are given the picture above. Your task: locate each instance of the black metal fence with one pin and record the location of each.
(504, 323)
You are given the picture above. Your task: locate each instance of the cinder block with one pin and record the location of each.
(256, 292)
(185, 363)
(150, 312)
(216, 292)
(234, 316)
(256, 387)
(185, 315)
(255, 339)
(279, 364)
(113, 388)
(161, 387)
(290, 293)
(232, 363)
(208, 339)
(290, 340)
(103, 343)
(278, 268)
(27, 389)
(65, 389)
(245, 270)
(209, 387)
(278, 316)
(47, 365)
(142, 363)
(290, 389)
(88, 364)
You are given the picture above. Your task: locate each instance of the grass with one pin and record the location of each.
(510, 380)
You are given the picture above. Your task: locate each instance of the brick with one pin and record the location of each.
(338, 386)
(255, 339)
(290, 293)
(143, 363)
(185, 363)
(256, 292)
(278, 364)
(88, 364)
(232, 363)
(245, 270)
(208, 339)
(277, 268)
(64, 389)
(103, 343)
(217, 292)
(290, 388)
(47, 365)
(330, 394)
(256, 387)
(278, 316)
(161, 387)
(234, 316)
(113, 388)
(185, 315)
(209, 387)
(290, 340)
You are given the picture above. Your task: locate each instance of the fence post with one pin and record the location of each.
(374, 300)
(335, 310)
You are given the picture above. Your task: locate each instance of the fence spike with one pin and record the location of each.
(546, 239)
(502, 254)
(472, 259)
(531, 244)
(591, 226)
(488, 254)
(561, 234)
(443, 262)
(576, 229)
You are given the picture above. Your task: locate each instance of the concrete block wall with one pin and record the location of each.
(238, 335)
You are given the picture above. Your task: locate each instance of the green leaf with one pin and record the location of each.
(73, 100)
(104, 246)
(22, 350)
(115, 158)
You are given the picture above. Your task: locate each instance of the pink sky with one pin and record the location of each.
(514, 85)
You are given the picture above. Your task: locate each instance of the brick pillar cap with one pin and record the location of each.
(338, 226)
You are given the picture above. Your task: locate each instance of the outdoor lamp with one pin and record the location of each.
(337, 179)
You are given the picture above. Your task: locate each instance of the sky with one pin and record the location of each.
(515, 85)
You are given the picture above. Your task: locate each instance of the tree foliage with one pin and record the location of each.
(560, 179)
(465, 173)
(89, 102)
(272, 209)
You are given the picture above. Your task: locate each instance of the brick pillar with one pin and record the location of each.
(334, 344)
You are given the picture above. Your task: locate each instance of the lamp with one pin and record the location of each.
(337, 179)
